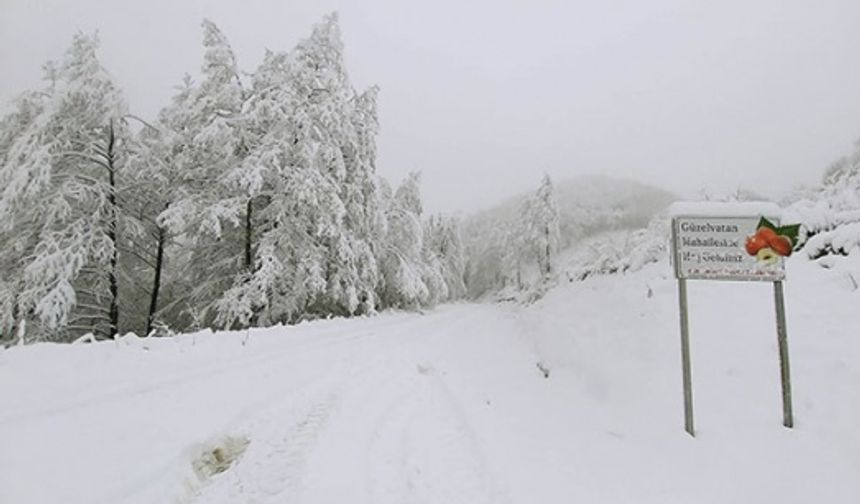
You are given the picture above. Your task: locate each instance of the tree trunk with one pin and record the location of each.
(13, 329)
(249, 257)
(248, 261)
(156, 283)
(112, 227)
(548, 265)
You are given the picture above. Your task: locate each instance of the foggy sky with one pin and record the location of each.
(485, 96)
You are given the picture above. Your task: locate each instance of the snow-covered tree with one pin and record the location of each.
(443, 245)
(402, 263)
(246, 202)
(542, 227)
(18, 235)
(154, 183)
(207, 211)
(314, 163)
(530, 236)
(515, 253)
(343, 125)
(61, 173)
(485, 237)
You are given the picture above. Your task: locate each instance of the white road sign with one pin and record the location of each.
(714, 248)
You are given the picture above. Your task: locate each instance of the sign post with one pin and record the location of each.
(737, 242)
(685, 358)
(782, 340)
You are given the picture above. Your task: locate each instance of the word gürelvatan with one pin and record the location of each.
(707, 227)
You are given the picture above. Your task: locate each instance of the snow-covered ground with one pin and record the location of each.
(453, 405)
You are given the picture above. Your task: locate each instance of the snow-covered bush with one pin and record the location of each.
(524, 294)
(620, 251)
(843, 240)
(830, 214)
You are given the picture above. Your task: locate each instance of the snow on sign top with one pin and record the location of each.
(719, 209)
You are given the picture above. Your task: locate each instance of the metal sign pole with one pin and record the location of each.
(782, 339)
(685, 358)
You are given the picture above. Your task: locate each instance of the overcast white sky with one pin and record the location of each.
(484, 96)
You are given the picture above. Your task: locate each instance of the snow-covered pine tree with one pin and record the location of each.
(61, 176)
(433, 276)
(402, 263)
(18, 235)
(364, 220)
(154, 183)
(265, 118)
(207, 213)
(287, 272)
(315, 164)
(542, 225)
(485, 238)
(515, 250)
(443, 241)
(343, 124)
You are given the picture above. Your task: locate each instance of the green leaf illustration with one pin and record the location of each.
(789, 231)
(763, 222)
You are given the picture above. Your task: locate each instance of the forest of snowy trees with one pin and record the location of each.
(252, 199)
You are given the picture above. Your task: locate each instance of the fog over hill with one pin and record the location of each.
(586, 206)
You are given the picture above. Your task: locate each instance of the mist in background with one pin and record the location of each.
(483, 98)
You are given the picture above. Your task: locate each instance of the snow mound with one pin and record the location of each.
(843, 240)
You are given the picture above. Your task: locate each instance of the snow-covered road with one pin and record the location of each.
(379, 425)
(341, 408)
(452, 406)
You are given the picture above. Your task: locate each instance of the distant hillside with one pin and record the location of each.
(587, 205)
(615, 203)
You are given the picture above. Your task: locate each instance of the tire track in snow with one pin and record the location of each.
(328, 338)
(273, 467)
(275, 407)
(268, 421)
(423, 449)
(284, 435)
(376, 374)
